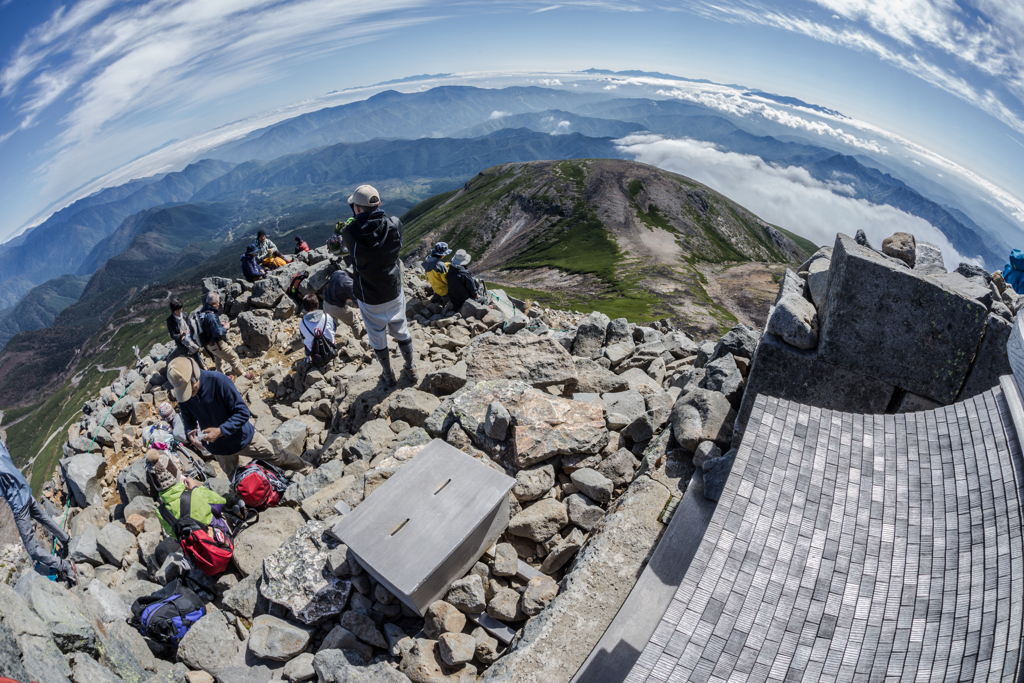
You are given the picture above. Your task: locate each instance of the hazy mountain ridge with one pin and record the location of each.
(39, 308)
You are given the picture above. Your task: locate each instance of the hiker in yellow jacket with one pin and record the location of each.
(437, 270)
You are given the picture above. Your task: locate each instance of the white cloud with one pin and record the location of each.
(545, 9)
(498, 115)
(734, 103)
(613, 86)
(562, 128)
(550, 81)
(788, 197)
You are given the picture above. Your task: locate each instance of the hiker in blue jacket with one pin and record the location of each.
(1013, 272)
(251, 268)
(18, 495)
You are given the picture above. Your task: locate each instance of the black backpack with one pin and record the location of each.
(203, 328)
(167, 615)
(321, 351)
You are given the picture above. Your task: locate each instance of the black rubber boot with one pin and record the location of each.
(409, 371)
(388, 375)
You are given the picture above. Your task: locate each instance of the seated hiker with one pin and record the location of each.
(214, 335)
(300, 245)
(251, 268)
(338, 296)
(184, 330)
(267, 252)
(215, 415)
(18, 495)
(461, 285)
(315, 323)
(1013, 272)
(165, 473)
(436, 269)
(177, 427)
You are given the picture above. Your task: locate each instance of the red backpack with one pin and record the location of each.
(260, 485)
(208, 547)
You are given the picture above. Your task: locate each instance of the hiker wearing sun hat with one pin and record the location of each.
(216, 416)
(461, 285)
(374, 240)
(207, 506)
(436, 269)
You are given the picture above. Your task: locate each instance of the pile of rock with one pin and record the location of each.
(602, 425)
(867, 331)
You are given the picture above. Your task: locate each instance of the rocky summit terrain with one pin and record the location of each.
(611, 231)
(577, 409)
(601, 425)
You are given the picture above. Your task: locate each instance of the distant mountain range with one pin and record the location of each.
(411, 146)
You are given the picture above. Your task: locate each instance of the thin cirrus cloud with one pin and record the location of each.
(112, 60)
(972, 49)
(786, 196)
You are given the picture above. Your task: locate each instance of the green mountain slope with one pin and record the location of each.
(619, 236)
(41, 305)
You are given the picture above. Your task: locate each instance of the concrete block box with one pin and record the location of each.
(887, 322)
(429, 523)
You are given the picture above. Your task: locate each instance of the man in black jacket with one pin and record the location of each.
(184, 333)
(374, 239)
(215, 336)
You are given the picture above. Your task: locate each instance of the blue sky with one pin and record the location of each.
(87, 87)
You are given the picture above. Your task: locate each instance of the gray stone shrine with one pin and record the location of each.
(428, 524)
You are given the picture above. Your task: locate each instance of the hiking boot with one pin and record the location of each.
(62, 550)
(388, 377)
(68, 573)
(409, 374)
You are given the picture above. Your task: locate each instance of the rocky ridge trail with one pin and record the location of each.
(579, 410)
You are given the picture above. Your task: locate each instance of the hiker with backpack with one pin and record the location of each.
(213, 336)
(251, 268)
(317, 333)
(24, 507)
(300, 245)
(184, 330)
(461, 285)
(437, 270)
(374, 240)
(337, 297)
(216, 416)
(191, 514)
(1013, 272)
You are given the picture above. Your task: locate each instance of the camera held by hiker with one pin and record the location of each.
(374, 240)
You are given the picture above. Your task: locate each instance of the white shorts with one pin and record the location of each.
(383, 318)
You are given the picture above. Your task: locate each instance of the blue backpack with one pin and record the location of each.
(1013, 273)
(167, 615)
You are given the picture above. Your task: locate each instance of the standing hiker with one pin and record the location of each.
(437, 270)
(214, 336)
(184, 332)
(18, 495)
(216, 416)
(374, 239)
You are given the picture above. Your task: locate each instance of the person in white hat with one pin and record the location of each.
(216, 416)
(461, 285)
(374, 239)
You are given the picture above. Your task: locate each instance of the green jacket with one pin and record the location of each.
(202, 500)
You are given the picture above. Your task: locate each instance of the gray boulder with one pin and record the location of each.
(929, 259)
(702, 415)
(593, 484)
(532, 483)
(468, 595)
(413, 406)
(716, 474)
(259, 541)
(105, 604)
(40, 658)
(84, 474)
(723, 376)
(334, 666)
(497, 421)
(210, 645)
(132, 481)
(795, 321)
(791, 284)
(540, 521)
(537, 361)
(296, 577)
(583, 512)
(85, 669)
(901, 245)
(115, 543)
(257, 332)
(592, 378)
(71, 630)
(445, 381)
(618, 332)
(242, 598)
(591, 335)
(277, 640)
(123, 408)
(991, 361)
(266, 293)
(290, 436)
(891, 323)
(84, 547)
(740, 341)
